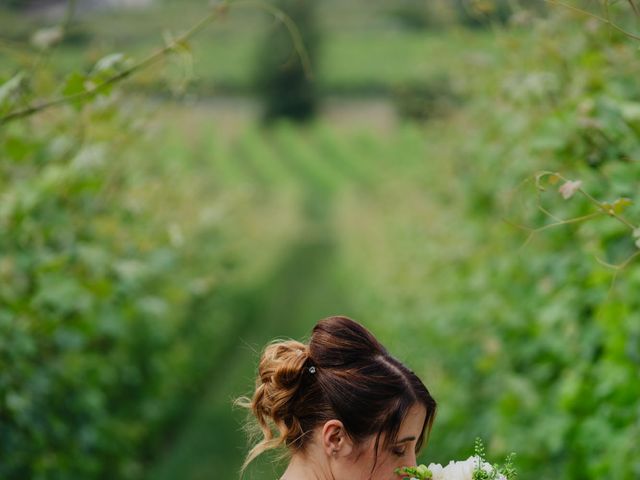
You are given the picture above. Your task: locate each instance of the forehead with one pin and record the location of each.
(411, 426)
(413, 422)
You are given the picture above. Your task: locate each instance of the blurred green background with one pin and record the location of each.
(156, 234)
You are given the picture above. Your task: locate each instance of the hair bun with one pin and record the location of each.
(339, 340)
(273, 403)
(282, 363)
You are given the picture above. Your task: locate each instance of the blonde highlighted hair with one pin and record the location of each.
(279, 375)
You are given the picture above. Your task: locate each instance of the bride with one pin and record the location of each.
(343, 407)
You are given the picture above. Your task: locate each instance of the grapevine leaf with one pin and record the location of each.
(621, 204)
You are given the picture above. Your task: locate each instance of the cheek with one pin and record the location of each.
(364, 466)
(385, 466)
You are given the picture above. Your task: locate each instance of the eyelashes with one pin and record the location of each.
(399, 453)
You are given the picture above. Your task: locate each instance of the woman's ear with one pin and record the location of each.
(335, 440)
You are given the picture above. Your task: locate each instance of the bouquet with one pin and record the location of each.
(473, 468)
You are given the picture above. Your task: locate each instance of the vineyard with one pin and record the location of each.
(149, 249)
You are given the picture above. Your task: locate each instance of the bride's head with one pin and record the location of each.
(341, 404)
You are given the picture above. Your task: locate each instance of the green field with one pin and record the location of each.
(152, 246)
(361, 53)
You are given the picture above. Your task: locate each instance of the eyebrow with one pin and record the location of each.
(406, 439)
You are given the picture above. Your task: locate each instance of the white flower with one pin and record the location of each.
(454, 471)
(437, 471)
(569, 188)
(462, 470)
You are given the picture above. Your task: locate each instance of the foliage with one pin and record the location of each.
(529, 346)
(83, 313)
(116, 288)
(131, 254)
(425, 100)
(284, 81)
(413, 14)
(354, 61)
(481, 13)
(506, 471)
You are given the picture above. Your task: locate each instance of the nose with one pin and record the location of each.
(412, 459)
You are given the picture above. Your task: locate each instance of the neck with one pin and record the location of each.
(303, 467)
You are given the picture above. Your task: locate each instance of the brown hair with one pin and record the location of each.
(355, 380)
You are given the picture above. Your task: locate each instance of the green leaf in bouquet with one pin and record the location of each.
(495, 471)
(509, 470)
(421, 472)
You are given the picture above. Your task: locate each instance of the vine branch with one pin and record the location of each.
(216, 12)
(149, 60)
(603, 208)
(598, 17)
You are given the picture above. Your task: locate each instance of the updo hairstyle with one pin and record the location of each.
(343, 373)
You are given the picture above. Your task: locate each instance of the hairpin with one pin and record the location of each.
(312, 369)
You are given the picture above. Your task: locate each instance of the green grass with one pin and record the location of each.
(369, 57)
(328, 170)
